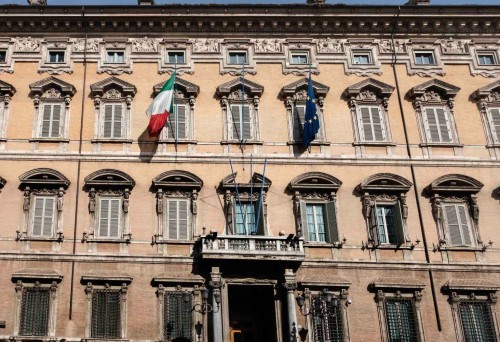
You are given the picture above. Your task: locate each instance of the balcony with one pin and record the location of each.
(252, 247)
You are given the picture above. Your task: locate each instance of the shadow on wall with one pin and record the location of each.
(148, 147)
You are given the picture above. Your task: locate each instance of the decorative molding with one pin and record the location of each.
(486, 98)
(455, 183)
(6, 92)
(385, 182)
(27, 44)
(368, 46)
(425, 70)
(268, 46)
(55, 44)
(7, 45)
(109, 178)
(237, 45)
(167, 45)
(481, 46)
(43, 177)
(293, 45)
(115, 68)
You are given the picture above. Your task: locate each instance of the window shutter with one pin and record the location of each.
(38, 216)
(331, 217)
(495, 124)
(464, 223)
(48, 217)
(433, 130)
(303, 220)
(172, 219)
(114, 218)
(235, 116)
(366, 131)
(104, 217)
(298, 122)
(56, 121)
(443, 125)
(108, 121)
(453, 225)
(183, 219)
(117, 120)
(46, 120)
(372, 221)
(262, 221)
(247, 123)
(182, 125)
(43, 216)
(378, 128)
(398, 223)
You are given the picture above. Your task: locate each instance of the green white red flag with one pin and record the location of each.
(161, 107)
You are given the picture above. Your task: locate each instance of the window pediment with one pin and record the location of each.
(6, 89)
(397, 284)
(315, 181)
(44, 177)
(178, 179)
(103, 87)
(52, 87)
(252, 89)
(476, 285)
(455, 183)
(320, 90)
(37, 274)
(228, 182)
(379, 89)
(187, 88)
(103, 277)
(109, 178)
(489, 93)
(429, 90)
(385, 182)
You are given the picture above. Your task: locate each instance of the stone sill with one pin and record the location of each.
(178, 142)
(49, 140)
(430, 144)
(313, 143)
(112, 141)
(104, 240)
(238, 142)
(373, 143)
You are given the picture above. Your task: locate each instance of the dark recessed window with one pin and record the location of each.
(238, 58)
(424, 58)
(176, 57)
(486, 59)
(56, 57)
(362, 58)
(3, 56)
(115, 57)
(300, 58)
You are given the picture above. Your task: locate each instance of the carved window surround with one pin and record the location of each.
(478, 47)
(228, 187)
(167, 45)
(299, 45)
(42, 182)
(480, 290)
(455, 188)
(488, 97)
(31, 278)
(110, 282)
(57, 44)
(385, 189)
(237, 45)
(115, 68)
(48, 91)
(425, 70)
(7, 45)
(6, 92)
(113, 184)
(368, 46)
(176, 184)
(402, 289)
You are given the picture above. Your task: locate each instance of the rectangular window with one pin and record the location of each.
(177, 320)
(390, 229)
(43, 216)
(362, 58)
(3, 56)
(299, 58)
(238, 121)
(50, 127)
(246, 218)
(330, 329)
(34, 320)
(113, 121)
(106, 314)
(115, 57)
(477, 321)
(177, 123)
(109, 217)
(494, 119)
(299, 112)
(178, 219)
(372, 125)
(458, 226)
(486, 58)
(319, 221)
(437, 125)
(424, 58)
(401, 320)
(238, 58)
(56, 57)
(176, 57)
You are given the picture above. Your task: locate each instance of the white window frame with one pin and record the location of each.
(460, 223)
(56, 52)
(491, 54)
(427, 52)
(102, 122)
(294, 54)
(183, 52)
(495, 132)
(367, 54)
(188, 218)
(236, 53)
(325, 221)
(246, 226)
(120, 218)
(361, 125)
(111, 59)
(449, 124)
(4, 51)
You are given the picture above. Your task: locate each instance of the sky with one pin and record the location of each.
(161, 2)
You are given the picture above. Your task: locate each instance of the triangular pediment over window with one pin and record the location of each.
(6, 89)
(228, 182)
(251, 88)
(40, 87)
(320, 90)
(492, 89)
(445, 89)
(99, 88)
(379, 88)
(188, 88)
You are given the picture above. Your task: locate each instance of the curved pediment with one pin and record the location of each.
(177, 179)
(6, 89)
(379, 88)
(44, 177)
(445, 89)
(315, 181)
(109, 177)
(320, 90)
(455, 183)
(255, 182)
(385, 182)
(101, 87)
(188, 88)
(251, 88)
(40, 87)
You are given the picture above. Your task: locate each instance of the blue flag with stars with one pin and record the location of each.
(311, 121)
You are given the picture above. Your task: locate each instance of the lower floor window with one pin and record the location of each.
(177, 314)
(34, 311)
(327, 320)
(401, 320)
(477, 321)
(106, 314)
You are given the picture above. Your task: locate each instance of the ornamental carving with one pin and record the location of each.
(144, 44)
(27, 44)
(366, 96)
(52, 93)
(113, 94)
(206, 45)
(329, 45)
(268, 45)
(385, 46)
(92, 45)
(452, 46)
(431, 96)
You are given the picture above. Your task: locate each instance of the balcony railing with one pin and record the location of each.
(252, 247)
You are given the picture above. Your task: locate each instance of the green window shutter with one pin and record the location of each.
(43, 216)
(495, 124)
(236, 116)
(303, 219)
(299, 113)
(46, 121)
(443, 125)
(378, 129)
(366, 131)
(106, 314)
(117, 120)
(331, 216)
(177, 316)
(398, 223)
(247, 123)
(453, 225)
(35, 309)
(108, 121)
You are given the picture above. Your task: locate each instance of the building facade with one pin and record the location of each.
(225, 228)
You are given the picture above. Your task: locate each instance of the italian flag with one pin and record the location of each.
(160, 108)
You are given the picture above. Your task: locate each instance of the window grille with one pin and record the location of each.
(330, 329)
(477, 321)
(178, 317)
(35, 311)
(106, 314)
(401, 320)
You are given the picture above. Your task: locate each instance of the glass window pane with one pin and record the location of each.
(246, 217)
(3, 56)
(401, 321)
(487, 59)
(237, 58)
(115, 57)
(477, 321)
(424, 58)
(56, 57)
(176, 57)
(361, 59)
(299, 59)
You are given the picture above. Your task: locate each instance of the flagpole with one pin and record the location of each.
(242, 126)
(237, 197)
(251, 177)
(309, 126)
(175, 107)
(261, 190)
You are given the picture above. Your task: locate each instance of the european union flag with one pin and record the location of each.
(311, 121)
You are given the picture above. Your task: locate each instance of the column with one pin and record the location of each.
(216, 285)
(290, 286)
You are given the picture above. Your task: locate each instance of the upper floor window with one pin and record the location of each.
(238, 57)
(112, 104)
(385, 209)
(487, 58)
(36, 302)
(368, 101)
(434, 103)
(6, 92)
(176, 205)
(240, 110)
(362, 57)
(176, 57)
(52, 99)
(115, 57)
(43, 203)
(3, 56)
(109, 192)
(488, 102)
(424, 58)
(455, 209)
(55, 57)
(297, 57)
(315, 206)
(245, 210)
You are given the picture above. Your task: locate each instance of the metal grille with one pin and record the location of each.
(35, 311)
(106, 314)
(401, 320)
(327, 320)
(477, 321)
(178, 316)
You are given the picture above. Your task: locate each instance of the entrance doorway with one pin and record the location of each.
(252, 316)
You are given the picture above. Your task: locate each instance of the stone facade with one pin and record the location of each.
(429, 153)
